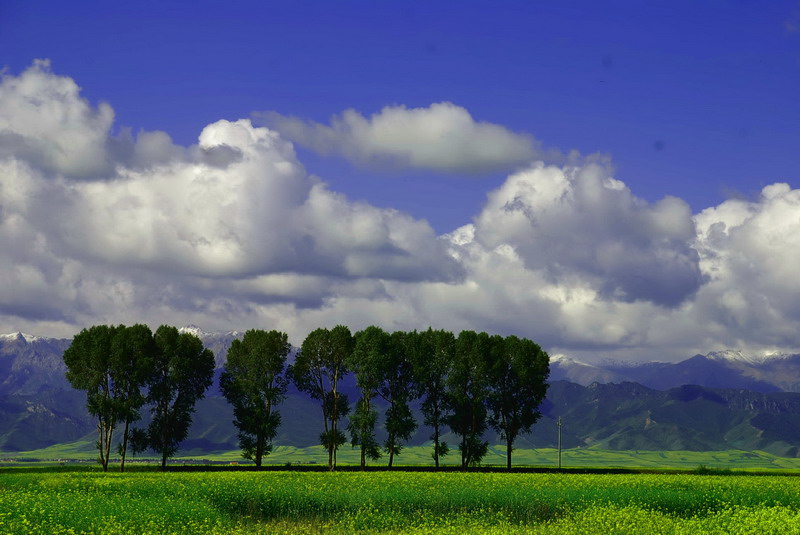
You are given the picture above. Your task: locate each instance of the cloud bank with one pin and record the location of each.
(99, 226)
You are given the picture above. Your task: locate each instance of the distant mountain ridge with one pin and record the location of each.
(723, 400)
(718, 369)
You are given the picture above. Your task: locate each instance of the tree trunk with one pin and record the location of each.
(164, 410)
(332, 434)
(124, 447)
(391, 455)
(508, 453)
(363, 455)
(259, 450)
(106, 434)
(331, 445)
(101, 445)
(464, 452)
(436, 444)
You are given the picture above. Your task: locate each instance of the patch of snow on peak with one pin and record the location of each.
(737, 355)
(564, 360)
(19, 336)
(193, 329)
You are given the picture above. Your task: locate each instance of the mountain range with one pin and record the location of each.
(722, 400)
(718, 369)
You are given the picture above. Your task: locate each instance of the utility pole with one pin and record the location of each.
(558, 423)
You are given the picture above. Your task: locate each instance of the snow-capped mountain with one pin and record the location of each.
(19, 337)
(566, 368)
(218, 342)
(718, 369)
(735, 355)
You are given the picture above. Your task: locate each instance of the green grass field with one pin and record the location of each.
(420, 456)
(60, 501)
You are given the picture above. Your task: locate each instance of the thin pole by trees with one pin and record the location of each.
(559, 424)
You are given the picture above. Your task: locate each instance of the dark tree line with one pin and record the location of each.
(465, 383)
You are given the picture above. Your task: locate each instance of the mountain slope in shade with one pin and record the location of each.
(630, 416)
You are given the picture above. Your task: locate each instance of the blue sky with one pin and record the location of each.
(696, 101)
(691, 99)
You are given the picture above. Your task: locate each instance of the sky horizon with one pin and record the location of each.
(611, 181)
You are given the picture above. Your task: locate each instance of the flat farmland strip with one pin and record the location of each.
(301, 502)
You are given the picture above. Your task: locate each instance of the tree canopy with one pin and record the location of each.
(253, 382)
(465, 383)
(182, 372)
(318, 368)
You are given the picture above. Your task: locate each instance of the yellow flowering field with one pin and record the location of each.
(72, 501)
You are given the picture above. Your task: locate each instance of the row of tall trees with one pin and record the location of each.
(465, 383)
(123, 368)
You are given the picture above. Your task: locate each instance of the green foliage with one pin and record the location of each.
(518, 371)
(467, 389)
(362, 431)
(368, 362)
(398, 387)
(254, 384)
(133, 351)
(432, 354)
(60, 502)
(111, 364)
(182, 372)
(318, 368)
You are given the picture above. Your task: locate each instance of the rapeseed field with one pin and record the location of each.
(71, 502)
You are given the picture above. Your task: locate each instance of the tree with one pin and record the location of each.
(317, 370)
(467, 388)
(397, 389)
(254, 384)
(367, 361)
(133, 352)
(432, 354)
(110, 364)
(518, 374)
(88, 368)
(181, 373)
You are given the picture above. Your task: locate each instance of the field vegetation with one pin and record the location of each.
(65, 500)
(735, 460)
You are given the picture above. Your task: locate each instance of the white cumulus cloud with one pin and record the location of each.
(442, 137)
(232, 232)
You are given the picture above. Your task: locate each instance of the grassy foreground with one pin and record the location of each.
(57, 501)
